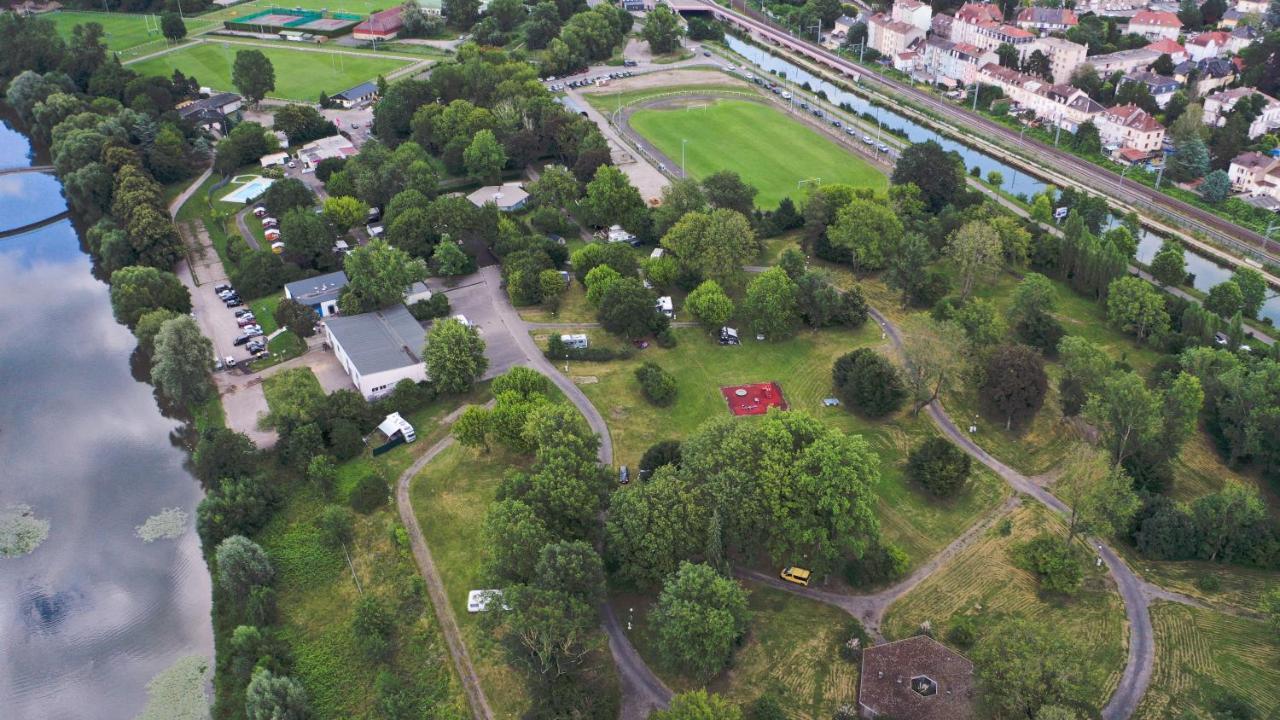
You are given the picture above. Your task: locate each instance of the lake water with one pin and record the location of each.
(1207, 274)
(89, 617)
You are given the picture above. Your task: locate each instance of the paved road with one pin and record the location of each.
(1137, 671)
(1097, 179)
(480, 709)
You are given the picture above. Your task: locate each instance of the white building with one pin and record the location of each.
(952, 63)
(917, 14)
(1043, 20)
(1130, 127)
(1165, 46)
(334, 146)
(379, 349)
(1208, 45)
(1161, 87)
(1255, 174)
(1123, 61)
(1154, 24)
(508, 197)
(319, 293)
(1064, 56)
(1217, 105)
(891, 37)
(1061, 105)
(983, 25)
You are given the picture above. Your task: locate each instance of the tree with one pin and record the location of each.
(1224, 299)
(1106, 509)
(471, 429)
(373, 626)
(939, 466)
(681, 197)
(297, 318)
(1137, 308)
(253, 75)
(1055, 564)
(514, 536)
(1026, 666)
(699, 618)
(302, 124)
(597, 281)
(653, 527)
(714, 245)
(975, 249)
(771, 306)
(172, 26)
(1126, 412)
(657, 385)
(869, 231)
(485, 157)
(461, 14)
(1271, 607)
(868, 382)
(223, 453)
(1031, 313)
(627, 309)
(1191, 160)
(377, 276)
(659, 454)
(1014, 384)
(449, 260)
(938, 174)
(275, 697)
(136, 290)
(345, 212)
(149, 326)
(180, 366)
(1008, 55)
(454, 356)
(933, 360)
(699, 705)
(242, 566)
(1169, 266)
(1216, 187)
(726, 189)
(611, 199)
(236, 506)
(662, 30)
(322, 472)
(285, 195)
(556, 187)
(1087, 139)
(1253, 289)
(573, 568)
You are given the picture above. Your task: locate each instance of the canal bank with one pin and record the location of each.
(119, 591)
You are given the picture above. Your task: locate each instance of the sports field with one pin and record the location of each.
(768, 149)
(300, 74)
(126, 33)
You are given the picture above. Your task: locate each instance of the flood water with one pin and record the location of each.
(93, 613)
(1207, 273)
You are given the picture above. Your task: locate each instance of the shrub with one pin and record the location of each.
(666, 339)
(372, 625)
(940, 466)
(657, 385)
(1209, 583)
(665, 452)
(961, 632)
(879, 564)
(1053, 562)
(369, 494)
(334, 525)
(436, 306)
(868, 382)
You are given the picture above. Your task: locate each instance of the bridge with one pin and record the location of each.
(21, 229)
(32, 169)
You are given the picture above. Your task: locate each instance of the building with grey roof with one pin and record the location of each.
(319, 293)
(379, 349)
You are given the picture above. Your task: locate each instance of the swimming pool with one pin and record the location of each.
(248, 191)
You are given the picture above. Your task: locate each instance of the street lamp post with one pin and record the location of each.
(683, 142)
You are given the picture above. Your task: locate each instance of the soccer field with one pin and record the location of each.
(126, 33)
(300, 74)
(768, 149)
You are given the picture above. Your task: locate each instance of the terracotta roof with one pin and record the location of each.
(979, 12)
(1015, 31)
(1165, 46)
(1132, 116)
(916, 678)
(1152, 17)
(1205, 38)
(1133, 155)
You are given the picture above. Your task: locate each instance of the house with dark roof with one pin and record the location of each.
(363, 92)
(320, 293)
(213, 113)
(1209, 74)
(1045, 20)
(379, 349)
(917, 678)
(1161, 87)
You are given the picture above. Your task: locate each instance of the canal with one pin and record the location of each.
(95, 611)
(1207, 273)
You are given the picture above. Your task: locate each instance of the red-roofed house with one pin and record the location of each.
(1208, 45)
(1045, 20)
(1165, 46)
(383, 25)
(1129, 126)
(1154, 24)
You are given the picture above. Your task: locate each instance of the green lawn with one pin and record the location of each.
(984, 582)
(300, 74)
(792, 649)
(918, 523)
(768, 149)
(126, 33)
(1201, 656)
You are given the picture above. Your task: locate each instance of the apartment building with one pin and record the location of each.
(1154, 24)
(1217, 105)
(916, 14)
(1130, 127)
(1061, 105)
(1064, 56)
(951, 63)
(1043, 20)
(891, 37)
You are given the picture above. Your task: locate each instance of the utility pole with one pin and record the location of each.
(683, 174)
(975, 95)
(1159, 175)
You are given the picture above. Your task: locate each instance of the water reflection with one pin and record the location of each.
(94, 613)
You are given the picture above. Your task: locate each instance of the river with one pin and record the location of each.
(1207, 273)
(94, 612)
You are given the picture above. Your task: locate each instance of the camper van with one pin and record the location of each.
(797, 575)
(394, 425)
(665, 307)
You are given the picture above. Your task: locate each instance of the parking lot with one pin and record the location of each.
(474, 296)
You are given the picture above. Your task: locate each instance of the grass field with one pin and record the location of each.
(300, 74)
(919, 524)
(1200, 654)
(792, 649)
(317, 589)
(126, 33)
(768, 149)
(984, 581)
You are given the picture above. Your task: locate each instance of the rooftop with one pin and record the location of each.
(362, 90)
(916, 678)
(379, 341)
(1165, 46)
(1204, 38)
(1160, 19)
(1047, 16)
(1253, 160)
(321, 288)
(504, 196)
(213, 103)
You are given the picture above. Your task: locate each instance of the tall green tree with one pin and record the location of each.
(710, 305)
(869, 231)
(699, 705)
(454, 356)
(242, 566)
(771, 305)
(485, 157)
(253, 75)
(714, 245)
(1137, 308)
(1253, 290)
(137, 290)
(377, 276)
(1013, 385)
(975, 250)
(611, 199)
(1169, 266)
(275, 697)
(652, 527)
(181, 363)
(1026, 666)
(938, 174)
(662, 30)
(699, 618)
(1127, 413)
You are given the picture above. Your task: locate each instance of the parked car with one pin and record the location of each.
(629, 63)
(241, 340)
(253, 332)
(246, 321)
(221, 287)
(269, 221)
(229, 361)
(293, 164)
(797, 575)
(234, 303)
(243, 312)
(866, 139)
(260, 211)
(706, 53)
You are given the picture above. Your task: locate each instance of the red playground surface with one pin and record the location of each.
(753, 399)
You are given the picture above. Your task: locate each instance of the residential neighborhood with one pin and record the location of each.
(680, 359)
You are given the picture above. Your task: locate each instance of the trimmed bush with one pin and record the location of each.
(369, 494)
(868, 382)
(657, 385)
(940, 466)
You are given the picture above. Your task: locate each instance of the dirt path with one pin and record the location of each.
(480, 709)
